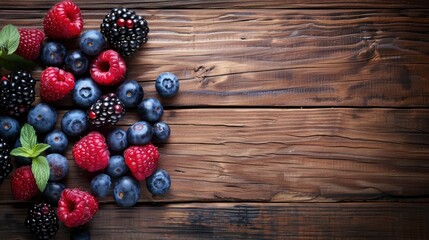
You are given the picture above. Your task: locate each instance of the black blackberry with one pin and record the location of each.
(124, 30)
(17, 93)
(42, 221)
(5, 164)
(107, 110)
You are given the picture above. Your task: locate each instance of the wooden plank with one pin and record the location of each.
(244, 221)
(296, 155)
(280, 57)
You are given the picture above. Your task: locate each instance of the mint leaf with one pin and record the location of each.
(28, 136)
(40, 169)
(15, 62)
(37, 149)
(21, 152)
(9, 39)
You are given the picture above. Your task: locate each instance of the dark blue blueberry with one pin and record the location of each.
(140, 133)
(80, 233)
(92, 42)
(9, 128)
(159, 182)
(76, 62)
(53, 54)
(21, 161)
(117, 140)
(58, 141)
(126, 191)
(161, 132)
(58, 166)
(117, 166)
(42, 117)
(100, 185)
(74, 123)
(130, 93)
(52, 192)
(150, 109)
(86, 92)
(167, 85)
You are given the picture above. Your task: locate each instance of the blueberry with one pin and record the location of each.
(140, 133)
(58, 165)
(159, 182)
(74, 123)
(76, 62)
(161, 132)
(21, 161)
(9, 128)
(80, 233)
(52, 192)
(126, 191)
(92, 42)
(86, 92)
(167, 85)
(53, 54)
(130, 93)
(117, 166)
(100, 185)
(117, 140)
(42, 117)
(58, 141)
(150, 109)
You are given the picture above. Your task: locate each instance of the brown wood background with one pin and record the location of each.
(296, 119)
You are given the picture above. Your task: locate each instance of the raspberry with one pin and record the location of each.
(108, 68)
(42, 221)
(63, 21)
(91, 152)
(55, 84)
(142, 160)
(76, 207)
(30, 41)
(23, 184)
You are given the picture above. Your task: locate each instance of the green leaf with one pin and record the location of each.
(21, 152)
(40, 169)
(28, 136)
(9, 39)
(15, 62)
(37, 149)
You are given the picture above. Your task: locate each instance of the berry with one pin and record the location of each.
(42, 117)
(100, 185)
(108, 68)
(106, 111)
(21, 161)
(167, 85)
(52, 192)
(42, 221)
(117, 167)
(63, 21)
(150, 109)
(55, 84)
(77, 63)
(74, 123)
(86, 92)
(130, 93)
(126, 191)
(92, 42)
(140, 133)
(53, 54)
(80, 233)
(30, 41)
(117, 140)
(161, 132)
(17, 93)
(142, 160)
(58, 166)
(5, 164)
(23, 184)
(76, 207)
(91, 153)
(124, 30)
(57, 140)
(9, 128)
(159, 182)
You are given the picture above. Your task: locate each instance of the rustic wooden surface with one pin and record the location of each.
(304, 121)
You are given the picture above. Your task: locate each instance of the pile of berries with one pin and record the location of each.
(95, 76)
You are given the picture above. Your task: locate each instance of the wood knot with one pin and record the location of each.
(201, 73)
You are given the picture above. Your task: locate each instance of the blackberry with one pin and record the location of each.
(17, 93)
(42, 221)
(5, 164)
(124, 30)
(107, 110)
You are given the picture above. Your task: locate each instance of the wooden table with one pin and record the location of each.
(295, 120)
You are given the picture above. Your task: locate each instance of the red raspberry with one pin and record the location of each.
(142, 160)
(91, 152)
(30, 41)
(63, 21)
(23, 184)
(108, 68)
(55, 84)
(76, 207)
